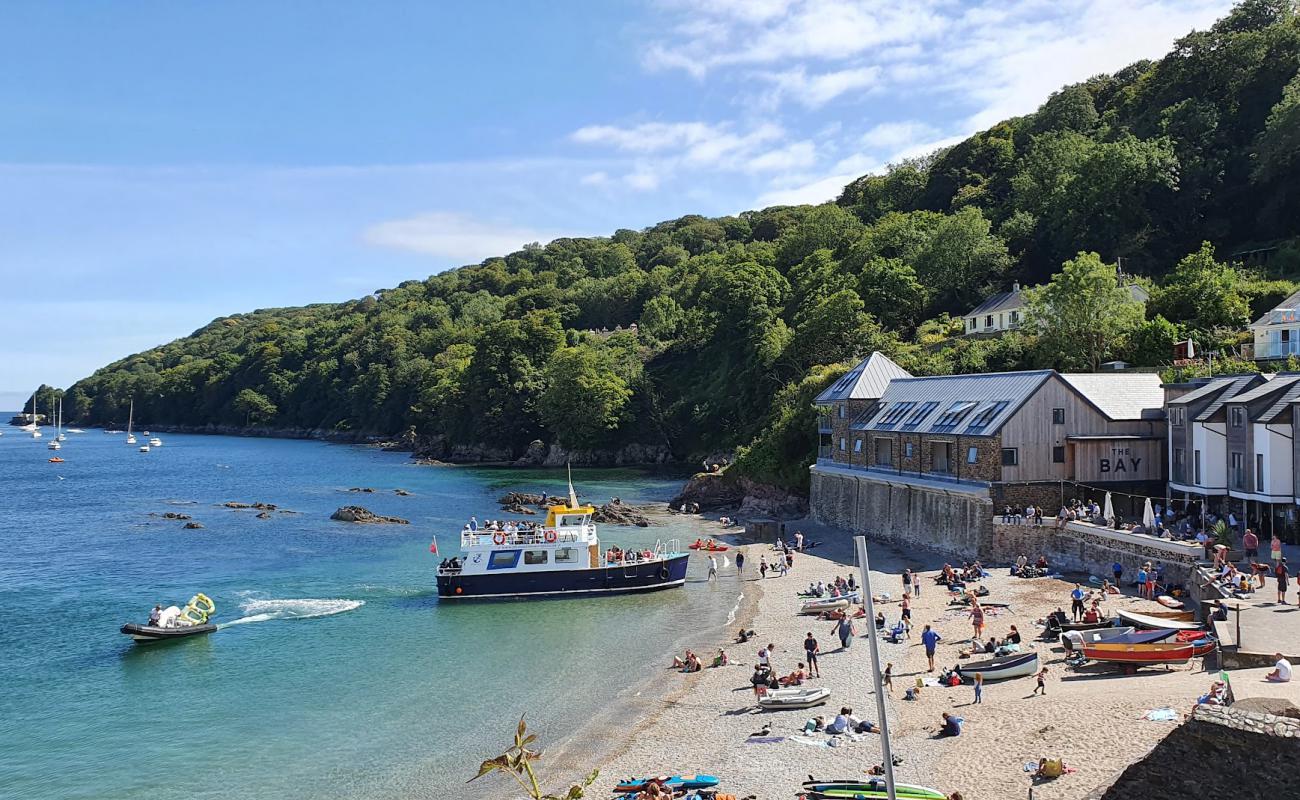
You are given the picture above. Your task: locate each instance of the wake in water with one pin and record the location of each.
(301, 608)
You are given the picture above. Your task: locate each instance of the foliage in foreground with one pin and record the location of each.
(517, 762)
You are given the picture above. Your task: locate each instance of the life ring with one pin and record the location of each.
(498, 538)
(550, 537)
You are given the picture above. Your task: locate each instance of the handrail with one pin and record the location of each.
(482, 538)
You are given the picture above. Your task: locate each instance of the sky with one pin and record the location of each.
(167, 162)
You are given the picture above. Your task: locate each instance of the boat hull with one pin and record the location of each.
(1159, 621)
(853, 789)
(1144, 654)
(618, 579)
(148, 633)
(1017, 665)
(803, 697)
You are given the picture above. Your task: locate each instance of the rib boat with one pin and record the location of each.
(829, 603)
(794, 697)
(1016, 665)
(560, 558)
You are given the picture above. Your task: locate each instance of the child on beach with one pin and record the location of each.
(1042, 682)
(888, 677)
(979, 687)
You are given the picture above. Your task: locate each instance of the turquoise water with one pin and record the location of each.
(341, 675)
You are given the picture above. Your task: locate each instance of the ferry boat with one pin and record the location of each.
(560, 557)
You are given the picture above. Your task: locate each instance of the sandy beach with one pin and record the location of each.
(1091, 717)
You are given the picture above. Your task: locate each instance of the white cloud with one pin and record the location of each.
(453, 236)
(648, 137)
(814, 191)
(598, 178)
(817, 90)
(893, 135)
(643, 179)
(797, 155)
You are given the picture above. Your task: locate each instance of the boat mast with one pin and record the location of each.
(860, 544)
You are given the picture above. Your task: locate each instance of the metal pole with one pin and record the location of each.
(860, 544)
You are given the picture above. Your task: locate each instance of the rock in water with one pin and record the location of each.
(401, 493)
(362, 489)
(359, 514)
(192, 526)
(616, 512)
(174, 515)
(264, 515)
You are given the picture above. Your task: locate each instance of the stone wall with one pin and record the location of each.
(1079, 548)
(1243, 719)
(952, 522)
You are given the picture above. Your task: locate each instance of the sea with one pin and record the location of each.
(336, 672)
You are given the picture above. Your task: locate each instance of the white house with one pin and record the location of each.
(1006, 311)
(1277, 333)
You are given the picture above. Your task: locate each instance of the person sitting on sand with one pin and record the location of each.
(1050, 768)
(1217, 696)
(1014, 636)
(1092, 615)
(795, 678)
(1281, 672)
(1108, 588)
(880, 620)
(951, 725)
(721, 660)
(744, 636)
(681, 661)
(1041, 564)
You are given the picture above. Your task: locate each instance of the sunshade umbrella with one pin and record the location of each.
(1108, 510)
(1148, 515)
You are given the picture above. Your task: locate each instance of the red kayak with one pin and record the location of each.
(711, 547)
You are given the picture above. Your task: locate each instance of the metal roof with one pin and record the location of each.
(1125, 395)
(1280, 391)
(866, 381)
(1236, 385)
(1292, 302)
(958, 404)
(1214, 386)
(998, 302)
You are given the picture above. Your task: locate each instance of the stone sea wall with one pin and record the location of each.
(1075, 549)
(1242, 719)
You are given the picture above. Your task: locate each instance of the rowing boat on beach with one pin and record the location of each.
(1016, 665)
(1115, 636)
(1172, 620)
(1146, 654)
(794, 697)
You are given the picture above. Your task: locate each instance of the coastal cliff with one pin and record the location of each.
(710, 491)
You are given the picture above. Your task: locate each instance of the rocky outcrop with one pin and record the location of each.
(264, 515)
(193, 526)
(365, 515)
(259, 506)
(616, 512)
(401, 493)
(362, 490)
(722, 492)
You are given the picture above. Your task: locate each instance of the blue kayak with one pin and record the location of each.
(671, 782)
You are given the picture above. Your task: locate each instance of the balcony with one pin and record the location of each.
(1266, 350)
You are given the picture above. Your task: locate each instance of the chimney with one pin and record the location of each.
(1015, 287)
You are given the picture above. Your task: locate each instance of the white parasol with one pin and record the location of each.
(1148, 515)
(1108, 510)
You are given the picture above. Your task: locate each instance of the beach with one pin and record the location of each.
(1092, 717)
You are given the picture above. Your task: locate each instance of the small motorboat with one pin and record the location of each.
(155, 442)
(175, 622)
(144, 448)
(1175, 620)
(56, 460)
(1015, 665)
(1072, 639)
(1138, 655)
(829, 603)
(794, 697)
(870, 787)
(685, 782)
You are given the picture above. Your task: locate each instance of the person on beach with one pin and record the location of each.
(789, 559)
(976, 618)
(1118, 569)
(1041, 678)
(795, 678)
(907, 582)
(798, 541)
(762, 566)
(810, 650)
(1280, 572)
(1142, 581)
(1281, 670)
(759, 681)
(907, 615)
(916, 584)
(765, 656)
(721, 659)
(1250, 543)
(740, 562)
(951, 725)
(888, 678)
(979, 687)
(713, 568)
(1014, 636)
(844, 629)
(1076, 602)
(1275, 549)
(930, 639)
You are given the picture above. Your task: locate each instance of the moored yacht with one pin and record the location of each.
(559, 557)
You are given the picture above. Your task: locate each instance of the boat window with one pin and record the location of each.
(566, 555)
(570, 521)
(534, 556)
(504, 559)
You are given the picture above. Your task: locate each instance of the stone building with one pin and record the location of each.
(933, 459)
(846, 399)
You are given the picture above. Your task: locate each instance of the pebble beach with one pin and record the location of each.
(1092, 717)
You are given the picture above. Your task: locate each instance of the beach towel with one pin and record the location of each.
(1161, 715)
(808, 740)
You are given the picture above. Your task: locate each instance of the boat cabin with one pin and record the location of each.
(566, 540)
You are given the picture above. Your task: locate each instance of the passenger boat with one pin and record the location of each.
(561, 557)
(1147, 654)
(1159, 620)
(868, 788)
(1015, 665)
(794, 697)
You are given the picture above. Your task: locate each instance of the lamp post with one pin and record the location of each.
(860, 544)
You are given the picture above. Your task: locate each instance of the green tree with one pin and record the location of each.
(254, 407)
(1204, 293)
(584, 399)
(1152, 343)
(1083, 315)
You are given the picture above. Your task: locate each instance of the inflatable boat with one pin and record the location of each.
(829, 603)
(175, 622)
(154, 633)
(794, 697)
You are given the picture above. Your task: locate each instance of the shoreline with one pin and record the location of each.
(1093, 719)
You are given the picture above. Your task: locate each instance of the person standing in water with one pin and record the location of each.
(713, 568)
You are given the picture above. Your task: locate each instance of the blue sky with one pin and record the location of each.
(165, 163)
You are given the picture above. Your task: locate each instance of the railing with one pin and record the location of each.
(1277, 349)
(483, 538)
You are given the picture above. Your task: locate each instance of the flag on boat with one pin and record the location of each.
(433, 547)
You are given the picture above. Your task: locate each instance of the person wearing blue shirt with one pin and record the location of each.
(1076, 602)
(930, 639)
(1142, 581)
(951, 725)
(473, 523)
(1118, 569)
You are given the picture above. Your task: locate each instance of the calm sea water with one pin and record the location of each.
(337, 673)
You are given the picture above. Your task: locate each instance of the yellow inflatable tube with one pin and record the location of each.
(198, 609)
